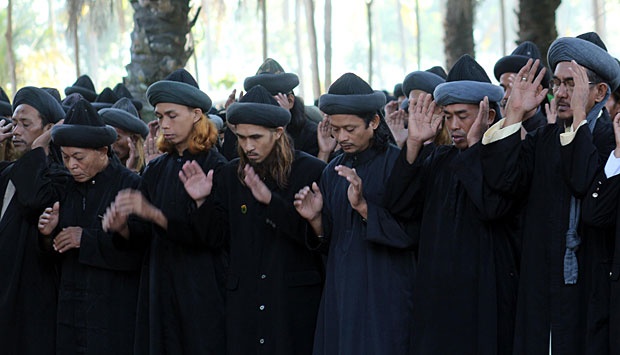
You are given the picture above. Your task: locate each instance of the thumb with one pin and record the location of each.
(56, 207)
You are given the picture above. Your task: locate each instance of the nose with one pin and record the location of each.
(452, 124)
(17, 130)
(342, 136)
(164, 123)
(248, 146)
(562, 90)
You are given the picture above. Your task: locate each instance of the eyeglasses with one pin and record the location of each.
(555, 83)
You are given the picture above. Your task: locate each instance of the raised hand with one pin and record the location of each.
(525, 95)
(423, 124)
(581, 91)
(196, 183)
(327, 143)
(354, 192)
(68, 238)
(260, 191)
(283, 101)
(309, 202)
(132, 160)
(551, 109)
(396, 122)
(480, 125)
(114, 221)
(48, 220)
(6, 130)
(150, 149)
(390, 108)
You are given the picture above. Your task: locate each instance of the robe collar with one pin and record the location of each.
(354, 160)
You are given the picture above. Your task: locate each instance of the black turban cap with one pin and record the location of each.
(350, 94)
(42, 101)
(272, 77)
(183, 90)
(421, 80)
(258, 107)
(83, 86)
(121, 91)
(518, 58)
(124, 120)
(83, 128)
(105, 99)
(467, 83)
(6, 110)
(586, 54)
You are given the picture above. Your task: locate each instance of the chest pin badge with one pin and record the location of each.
(244, 209)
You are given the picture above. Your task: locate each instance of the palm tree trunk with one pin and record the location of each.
(9, 45)
(401, 36)
(158, 42)
(300, 61)
(418, 40)
(459, 30)
(370, 49)
(314, 56)
(263, 5)
(537, 23)
(328, 43)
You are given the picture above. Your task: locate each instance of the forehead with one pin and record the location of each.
(24, 111)
(562, 70)
(459, 108)
(164, 107)
(505, 78)
(247, 130)
(70, 151)
(341, 120)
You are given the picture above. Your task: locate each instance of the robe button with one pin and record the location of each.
(263, 276)
(262, 341)
(595, 195)
(262, 307)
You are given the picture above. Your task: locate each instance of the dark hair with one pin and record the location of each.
(298, 115)
(594, 78)
(382, 137)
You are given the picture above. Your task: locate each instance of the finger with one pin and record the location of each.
(315, 188)
(532, 72)
(523, 72)
(540, 76)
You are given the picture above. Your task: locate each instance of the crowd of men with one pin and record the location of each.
(455, 217)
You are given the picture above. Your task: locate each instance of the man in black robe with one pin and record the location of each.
(465, 288)
(366, 306)
(99, 282)
(505, 71)
(558, 305)
(29, 279)
(181, 298)
(274, 282)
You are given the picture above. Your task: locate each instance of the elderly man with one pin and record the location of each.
(553, 169)
(99, 282)
(28, 281)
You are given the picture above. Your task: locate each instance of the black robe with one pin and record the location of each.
(274, 283)
(466, 279)
(533, 123)
(99, 281)
(547, 174)
(601, 208)
(29, 277)
(367, 302)
(181, 301)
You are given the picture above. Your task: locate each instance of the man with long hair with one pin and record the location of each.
(366, 306)
(181, 304)
(275, 282)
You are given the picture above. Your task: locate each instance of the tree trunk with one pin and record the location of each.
(9, 45)
(300, 61)
(158, 42)
(314, 56)
(401, 36)
(537, 23)
(418, 40)
(502, 11)
(370, 49)
(263, 5)
(328, 43)
(76, 49)
(459, 30)
(598, 13)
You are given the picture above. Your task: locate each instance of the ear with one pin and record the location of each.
(197, 112)
(103, 151)
(601, 91)
(374, 123)
(492, 115)
(48, 126)
(279, 132)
